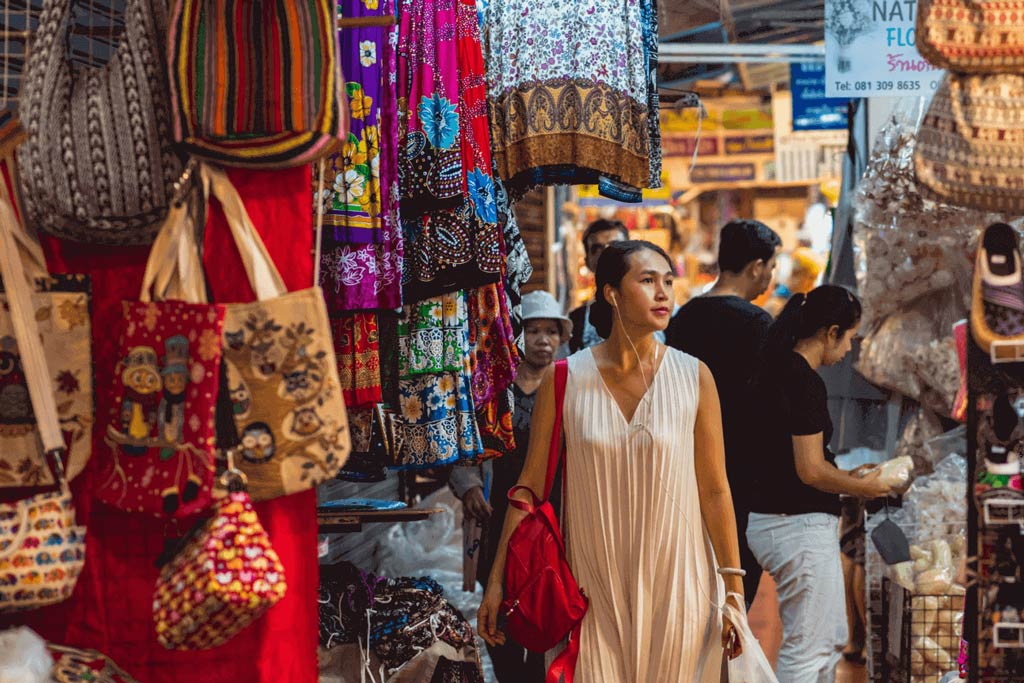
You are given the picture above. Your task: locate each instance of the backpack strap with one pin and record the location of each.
(557, 449)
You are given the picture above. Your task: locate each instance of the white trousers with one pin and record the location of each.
(801, 553)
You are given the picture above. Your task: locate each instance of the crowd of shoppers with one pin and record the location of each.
(692, 465)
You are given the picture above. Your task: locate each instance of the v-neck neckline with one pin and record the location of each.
(648, 391)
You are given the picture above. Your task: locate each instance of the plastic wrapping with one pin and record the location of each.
(913, 442)
(907, 245)
(751, 666)
(24, 657)
(896, 473)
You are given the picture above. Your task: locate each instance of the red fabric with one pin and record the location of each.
(111, 610)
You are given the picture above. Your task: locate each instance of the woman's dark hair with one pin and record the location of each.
(806, 315)
(611, 268)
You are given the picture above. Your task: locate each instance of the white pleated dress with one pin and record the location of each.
(636, 539)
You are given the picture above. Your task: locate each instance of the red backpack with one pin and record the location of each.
(543, 603)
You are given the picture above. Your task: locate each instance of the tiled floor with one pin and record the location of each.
(764, 622)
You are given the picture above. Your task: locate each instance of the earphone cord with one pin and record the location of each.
(675, 503)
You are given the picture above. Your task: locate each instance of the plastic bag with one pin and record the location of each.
(913, 442)
(751, 666)
(24, 657)
(896, 473)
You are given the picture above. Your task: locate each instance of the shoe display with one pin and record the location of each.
(998, 298)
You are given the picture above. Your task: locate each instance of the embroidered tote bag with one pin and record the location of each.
(259, 86)
(61, 311)
(224, 579)
(282, 374)
(41, 549)
(72, 665)
(98, 165)
(971, 141)
(972, 36)
(161, 436)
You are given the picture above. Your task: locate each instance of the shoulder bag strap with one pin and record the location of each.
(263, 275)
(26, 332)
(556, 450)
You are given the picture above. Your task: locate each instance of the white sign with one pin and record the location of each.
(870, 50)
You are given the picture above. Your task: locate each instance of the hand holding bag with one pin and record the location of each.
(282, 374)
(162, 433)
(98, 165)
(41, 549)
(972, 36)
(543, 603)
(971, 141)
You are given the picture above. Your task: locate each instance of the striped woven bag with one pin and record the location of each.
(256, 84)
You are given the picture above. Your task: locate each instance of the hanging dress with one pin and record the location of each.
(636, 539)
(569, 93)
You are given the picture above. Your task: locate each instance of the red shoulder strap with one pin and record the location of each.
(556, 450)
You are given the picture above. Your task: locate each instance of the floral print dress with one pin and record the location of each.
(570, 94)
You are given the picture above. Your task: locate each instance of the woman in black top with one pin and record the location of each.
(794, 525)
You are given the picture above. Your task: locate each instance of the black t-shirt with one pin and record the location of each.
(791, 400)
(728, 334)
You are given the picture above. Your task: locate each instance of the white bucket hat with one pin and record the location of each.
(540, 305)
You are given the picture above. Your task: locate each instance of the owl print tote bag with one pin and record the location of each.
(282, 374)
(161, 435)
(61, 310)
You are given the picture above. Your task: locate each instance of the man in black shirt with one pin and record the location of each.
(596, 237)
(727, 332)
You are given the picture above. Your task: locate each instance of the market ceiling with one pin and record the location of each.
(734, 21)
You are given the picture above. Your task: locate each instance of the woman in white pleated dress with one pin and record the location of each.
(648, 506)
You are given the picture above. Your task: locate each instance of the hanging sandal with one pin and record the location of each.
(997, 310)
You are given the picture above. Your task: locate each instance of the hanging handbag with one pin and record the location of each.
(60, 305)
(259, 86)
(971, 141)
(41, 549)
(282, 375)
(543, 603)
(162, 433)
(74, 665)
(98, 165)
(972, 36)
(225, 578)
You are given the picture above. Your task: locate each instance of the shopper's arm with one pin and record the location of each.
(716, 505)
(814, 470)
(533, 477)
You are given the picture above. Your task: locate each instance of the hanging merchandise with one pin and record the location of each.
(495, 357)
(449, 209)
(370, 455)
(361, 240)
(98, 165)
(259, 85)
(971, 140)
(997, 308)
(162, 432)
(61, 307)
(73, 665)
(224, 579)
(562, 112)
(438, 424)
(972, 36)
(357, 346)
(282, 375)
(42, 551)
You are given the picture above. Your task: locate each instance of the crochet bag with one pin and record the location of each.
(225, 578)
(60, 304)
(972, 36)
(543, 603)
(971, 141)
(73, 665)
(260, 86)
(41, 549)
(282, 374)
(162, 433)
(98, 164)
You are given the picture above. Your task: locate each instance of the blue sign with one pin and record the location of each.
(811, 109)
